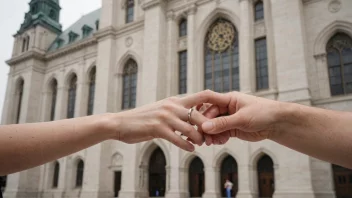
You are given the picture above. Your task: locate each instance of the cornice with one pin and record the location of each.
(105, 32)
(130, 27)
(25, 56)
(309, 1)
(71, 48)
(150, 4)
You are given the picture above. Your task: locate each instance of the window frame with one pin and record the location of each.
(266, 87)
(130, 7)
(72, 86)
(91, 90)
(130, 69)
(256, 16)
(182, 28)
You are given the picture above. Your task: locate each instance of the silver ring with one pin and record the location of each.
(189, 115)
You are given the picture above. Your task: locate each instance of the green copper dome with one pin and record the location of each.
(42, 12)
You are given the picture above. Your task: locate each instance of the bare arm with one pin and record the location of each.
(324, 134)
(320, 133)
(25, 146)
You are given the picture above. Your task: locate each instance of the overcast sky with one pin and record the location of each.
(12, 15)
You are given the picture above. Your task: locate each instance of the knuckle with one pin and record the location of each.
(222, 123)
(188, 130)
(173, 99)
(167, 106)
(162, 115)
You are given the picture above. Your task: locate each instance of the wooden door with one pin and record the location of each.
(266, 184)
(343, 182)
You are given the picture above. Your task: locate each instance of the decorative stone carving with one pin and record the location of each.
(129, 41)
(117, 160)
(182, 44)
(334, 6)
(170, 15)
(221, 36)
(259, 29)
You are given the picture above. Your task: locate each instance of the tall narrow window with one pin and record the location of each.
(24, 42)
(221, 57)
(53, 99)
(183, 28)
(72, 97)
(79, 173)
(129, 84)
(261, 64)
(229, 172)
(27, 44)
(19, 95)
(259, 10)
(91, 91)
(182, 60)
(129, 11)
(339, 55)
(56, 174)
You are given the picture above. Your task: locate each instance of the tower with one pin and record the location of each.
(40, 27)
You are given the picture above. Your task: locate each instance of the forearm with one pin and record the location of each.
(28, 145)
(324, 134)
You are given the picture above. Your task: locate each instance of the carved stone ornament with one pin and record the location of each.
(221, 36)
(334, 6)
(129, 41)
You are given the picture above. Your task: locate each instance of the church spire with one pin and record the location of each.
(45, 13)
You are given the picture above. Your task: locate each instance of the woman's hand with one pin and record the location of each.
(161, 120)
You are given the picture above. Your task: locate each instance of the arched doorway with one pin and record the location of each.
(229, 171)
(342, 181)
(266, 180)
(196, 180)
(157, 174)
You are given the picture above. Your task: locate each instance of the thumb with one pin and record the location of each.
(221, 124)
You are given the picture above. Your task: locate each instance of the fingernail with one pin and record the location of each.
(207, 126)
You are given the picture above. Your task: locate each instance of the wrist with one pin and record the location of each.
(285, 118)
(108, 124)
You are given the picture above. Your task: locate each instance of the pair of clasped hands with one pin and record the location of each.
(218, 117)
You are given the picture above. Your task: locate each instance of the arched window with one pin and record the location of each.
(79, 173)
(196, 180)
(72, 97)
(259, 10)
(342, 181)
(266, 181)
(339, 55)
(27, 44)
(19, 96)
(182, 28)
(129, 84)
(56, 174)
(229, 172)
(157, 174)
(129, 11)
(24, 42)
(52, 14)
(91, 91)
(221, 57)
(53, 99)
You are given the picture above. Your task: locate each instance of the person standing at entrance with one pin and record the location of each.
(228, 186)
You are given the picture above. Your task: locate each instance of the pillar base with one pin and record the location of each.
(329, 194)
(21, 194)
(246, 194)
(177, 194)
(211, 195)
(293, 194)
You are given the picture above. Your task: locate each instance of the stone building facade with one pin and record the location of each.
(130, 53)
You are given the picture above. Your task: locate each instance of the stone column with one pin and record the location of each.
(211, 181)
(6, 111)
(246, 48)
(192, 75)
(290, 42)
(81, 92)
(174, 190)
(172, 67)
(96, 182)
(155, 52)
(26, 183)
(245, 182)
(270, 46)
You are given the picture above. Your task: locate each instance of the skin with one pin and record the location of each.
(25, 146)
(320, 133)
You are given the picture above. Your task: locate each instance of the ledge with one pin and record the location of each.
(332, 100)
